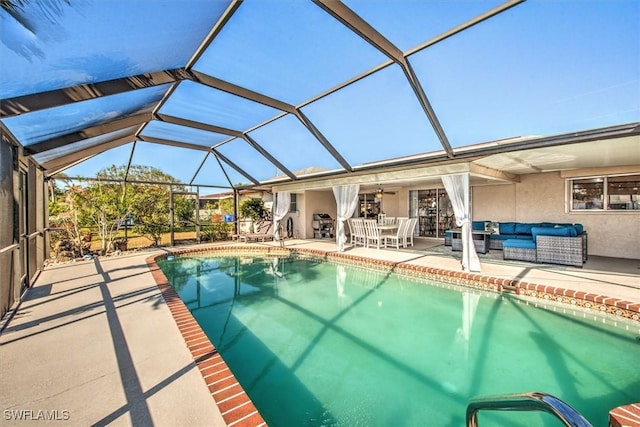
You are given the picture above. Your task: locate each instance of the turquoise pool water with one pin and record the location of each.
(319, 344)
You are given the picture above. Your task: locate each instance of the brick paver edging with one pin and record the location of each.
(600, 303)
(594, 302)
(625, 416)
(236, 407)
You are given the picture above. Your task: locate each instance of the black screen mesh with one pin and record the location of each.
(7, 219)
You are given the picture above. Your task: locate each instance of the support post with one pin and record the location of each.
(171, 220)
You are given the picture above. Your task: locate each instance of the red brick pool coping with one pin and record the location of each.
(235, 405)
(625, 416)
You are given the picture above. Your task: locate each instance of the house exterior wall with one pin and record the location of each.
(391, 204)
(494, 202)
(297, 217)
(541, 197)
(403, 201)
(317, 202)
(536, 198)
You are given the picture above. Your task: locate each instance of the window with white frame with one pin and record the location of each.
(293, 205)
(609, 193)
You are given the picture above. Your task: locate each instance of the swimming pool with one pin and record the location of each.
(316, 343)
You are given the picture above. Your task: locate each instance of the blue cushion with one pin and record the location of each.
(448, 233)
(502, 236)
(524, 237)
(525, 228)
(579, 228)
(547, 224)
(507, 228)
(556, 231)
(478, 225)
(519, 243)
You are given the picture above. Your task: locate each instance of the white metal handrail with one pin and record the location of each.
(9, 248)
(532, 401)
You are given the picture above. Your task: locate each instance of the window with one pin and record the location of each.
(606, 193)
(622, 192)
(293, 205)
(588, 194)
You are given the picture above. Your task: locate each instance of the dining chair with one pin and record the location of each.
(397, 238)
(359, 236)
(352, 231)
(372, 233)
(408, 232)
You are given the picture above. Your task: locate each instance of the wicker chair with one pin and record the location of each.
(562, 250)
(447, 238)
(520, 250)
(495, 244)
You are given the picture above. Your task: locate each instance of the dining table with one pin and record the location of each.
(387, 228)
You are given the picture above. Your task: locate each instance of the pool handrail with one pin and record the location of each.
(531, 401)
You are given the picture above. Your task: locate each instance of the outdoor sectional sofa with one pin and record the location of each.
(543, 242)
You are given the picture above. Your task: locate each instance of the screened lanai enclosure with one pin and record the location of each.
(230, 95)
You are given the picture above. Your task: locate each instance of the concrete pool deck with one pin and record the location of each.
(94, 342)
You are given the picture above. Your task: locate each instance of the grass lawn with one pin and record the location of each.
(135, 241)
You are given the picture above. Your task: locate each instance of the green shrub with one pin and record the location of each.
(217, 232)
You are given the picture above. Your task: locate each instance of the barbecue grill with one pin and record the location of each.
(323, 226)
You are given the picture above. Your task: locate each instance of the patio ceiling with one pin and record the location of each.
(235, 94)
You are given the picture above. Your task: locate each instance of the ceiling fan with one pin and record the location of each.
(380, 192)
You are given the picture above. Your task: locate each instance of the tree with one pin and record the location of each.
(150, 205)
(107, 202)
(104, 205)
(226, 206)
(254, 210)
(67, 237)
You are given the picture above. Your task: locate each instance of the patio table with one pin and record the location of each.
(387, 228)
(480, 240)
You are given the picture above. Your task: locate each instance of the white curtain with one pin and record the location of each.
(341, 279)
(457, 187)
(281, 208)
(469, 306)
(346, 202)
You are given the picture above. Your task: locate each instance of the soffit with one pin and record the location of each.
(604, 153)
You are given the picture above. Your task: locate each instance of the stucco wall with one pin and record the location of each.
(297, 217)
(494, 202)
(536, 198)
(541, 197)
(391, 204)
(317, 202)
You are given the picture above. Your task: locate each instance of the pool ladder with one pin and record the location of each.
(532, 401)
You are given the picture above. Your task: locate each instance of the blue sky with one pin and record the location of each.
(540, 68)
